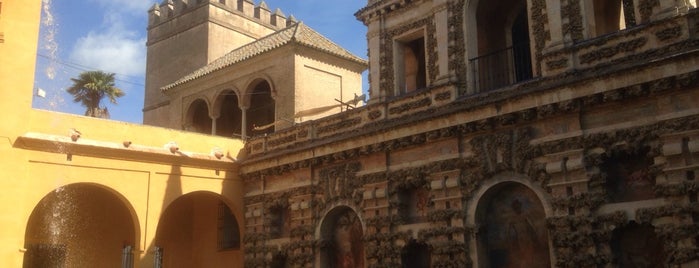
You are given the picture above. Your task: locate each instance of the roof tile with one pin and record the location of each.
(297, 33)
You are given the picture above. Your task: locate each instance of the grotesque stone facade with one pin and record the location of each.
(566, 143)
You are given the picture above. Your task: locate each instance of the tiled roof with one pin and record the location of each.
(297, 33)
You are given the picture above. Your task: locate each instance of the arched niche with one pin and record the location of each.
(198, 229)
(511, 228)
(230, 120)
(197, 117)
(341, 236)
(628, 175)
(81, 225)
(261, 113)
(637, 245)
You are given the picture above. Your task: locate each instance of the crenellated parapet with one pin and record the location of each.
(169, 9)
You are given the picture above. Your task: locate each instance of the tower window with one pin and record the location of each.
(612, 15)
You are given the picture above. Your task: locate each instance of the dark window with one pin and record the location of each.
(628, 177)
(414, 70)
(637, 246)
(228, 234)
(415, 255)
(279, 221)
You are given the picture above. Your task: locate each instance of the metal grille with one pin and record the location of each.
(502, 68)
(158, 257)
(127, 257)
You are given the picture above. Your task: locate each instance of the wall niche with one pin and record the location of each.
(628, 176)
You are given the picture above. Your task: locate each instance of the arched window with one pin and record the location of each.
(261, 114)
(503, 50)
(198, 119)
(229, 123)
(609, 16)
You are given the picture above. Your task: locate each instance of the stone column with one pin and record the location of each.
(214, 117)
(553, 13)
(213, 125)
(374, 46)
(441, 18)
(244, 122)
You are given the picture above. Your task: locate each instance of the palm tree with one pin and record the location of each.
(90, 88)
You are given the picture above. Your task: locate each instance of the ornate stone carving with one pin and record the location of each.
(645, 8)
(669, 33)
(611, 51)
(424, 102)
(339, 182)
(574, 25)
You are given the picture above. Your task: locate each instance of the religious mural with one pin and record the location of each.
(512, 230)
(342, 235)
(413, 204)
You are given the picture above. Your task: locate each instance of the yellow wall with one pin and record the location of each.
(37, 157)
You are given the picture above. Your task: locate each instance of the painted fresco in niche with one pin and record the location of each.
(636, 246)
(628, 176)
(342, 245)
(414, 203)
(512, 229)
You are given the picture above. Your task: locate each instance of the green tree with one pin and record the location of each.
(90, 88)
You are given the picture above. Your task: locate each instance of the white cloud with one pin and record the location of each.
(116, 50)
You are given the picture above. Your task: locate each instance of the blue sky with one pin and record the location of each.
(108, 35)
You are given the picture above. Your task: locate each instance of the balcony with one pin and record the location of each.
(502, 68)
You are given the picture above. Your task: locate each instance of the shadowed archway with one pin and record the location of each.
(197, 117)
(80, 225)
(512, 228)
(198, 230)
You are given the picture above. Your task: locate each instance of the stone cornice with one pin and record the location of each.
(468, 103)
(121, 151)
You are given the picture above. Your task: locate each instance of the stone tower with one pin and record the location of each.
(184, 35)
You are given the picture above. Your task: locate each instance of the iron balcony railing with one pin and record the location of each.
(502, 67)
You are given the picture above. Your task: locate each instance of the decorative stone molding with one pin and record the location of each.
(669, 33)
(572, 12)
(611, 51)
(645, 9)
(457, 49)
(539, 27)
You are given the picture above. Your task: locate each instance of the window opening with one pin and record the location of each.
(228, 235)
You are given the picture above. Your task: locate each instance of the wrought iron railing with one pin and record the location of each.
(127, 257)
(502, 68)
(158, 257)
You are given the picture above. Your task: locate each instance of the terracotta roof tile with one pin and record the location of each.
(297, 33)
